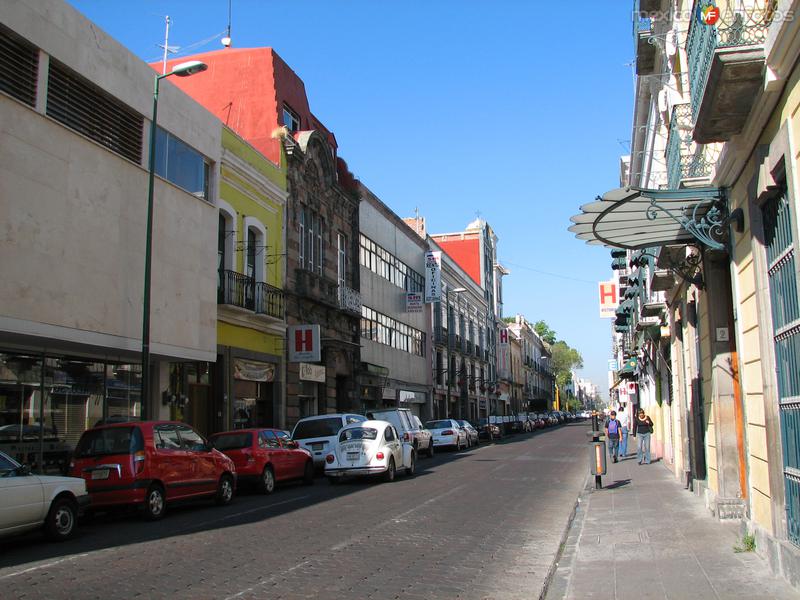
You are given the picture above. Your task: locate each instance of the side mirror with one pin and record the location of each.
(24, 470)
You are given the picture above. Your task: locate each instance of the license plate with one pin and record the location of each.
(317, 446)
(353, 455)
(100, 474)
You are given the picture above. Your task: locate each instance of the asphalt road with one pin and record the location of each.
(479, 524)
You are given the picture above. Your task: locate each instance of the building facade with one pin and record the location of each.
(73, 193)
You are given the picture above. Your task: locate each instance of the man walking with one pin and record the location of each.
(623, 441)
(613, 433)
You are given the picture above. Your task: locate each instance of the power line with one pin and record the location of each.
(557, 275)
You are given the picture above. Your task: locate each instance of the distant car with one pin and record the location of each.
(265, 456)
(148, 464)
(408, 426)
(488, 431)
(447, 432)
(29, 501)
(318, 434)
(369, 448)
(473, 439)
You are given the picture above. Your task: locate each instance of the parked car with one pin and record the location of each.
(369, 448)
(265, 456)
(318, 434)
(447, 432)
(29, 501)
(488, 431)
(149, 464)
(473, 439)
(408, 426)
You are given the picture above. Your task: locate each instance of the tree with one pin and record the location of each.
(564, 360)
(544, 332)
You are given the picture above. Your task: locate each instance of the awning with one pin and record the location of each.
(635, 218)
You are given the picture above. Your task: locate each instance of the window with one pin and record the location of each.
(385, 330)
(268, 439)
(191, 439)
(181, 164)
(251, 254)
(19, 67)
(388, 434)
(290, 119)
(166, 438)
(85, 108)
(302, 238)
(382, 262)
(341, 263)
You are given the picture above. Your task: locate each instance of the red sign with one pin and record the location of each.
(609, 298)
(304, 343)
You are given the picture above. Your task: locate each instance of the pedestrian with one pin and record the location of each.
(623, 442)
(644, 427)
(613, 433)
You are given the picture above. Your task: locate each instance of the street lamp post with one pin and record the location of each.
(182, 70)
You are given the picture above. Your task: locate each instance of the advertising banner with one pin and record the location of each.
(414, 302)
(433, 276)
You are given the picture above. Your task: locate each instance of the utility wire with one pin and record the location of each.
(557, 275)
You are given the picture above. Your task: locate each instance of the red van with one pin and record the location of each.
(265, 456)
(150, 463)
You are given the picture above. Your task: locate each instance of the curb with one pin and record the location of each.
(567, 546)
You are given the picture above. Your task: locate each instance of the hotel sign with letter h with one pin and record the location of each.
(304, 343)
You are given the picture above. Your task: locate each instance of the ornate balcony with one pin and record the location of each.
(349, 300)
(687, 161)
(244, 292)
(440, 336)
(726, 66)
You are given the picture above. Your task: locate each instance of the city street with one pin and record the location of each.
(484, 523)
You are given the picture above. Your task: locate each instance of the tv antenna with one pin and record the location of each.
(167, 48)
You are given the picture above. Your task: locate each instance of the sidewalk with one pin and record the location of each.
(645, 536)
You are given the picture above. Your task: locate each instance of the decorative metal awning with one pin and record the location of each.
(635, 218)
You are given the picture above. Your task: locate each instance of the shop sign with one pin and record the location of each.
(482, 404)
(304, 343)
(631, 388)
(613, 364)
(409, 397)
(433, 276)
(413, 302)
(310, 372)
(609, 299)
(250, 370)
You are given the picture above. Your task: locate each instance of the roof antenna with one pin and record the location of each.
(226, 41)
(167, 48)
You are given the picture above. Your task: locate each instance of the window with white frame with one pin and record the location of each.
(341, 263)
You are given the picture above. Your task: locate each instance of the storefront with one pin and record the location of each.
(47, 402)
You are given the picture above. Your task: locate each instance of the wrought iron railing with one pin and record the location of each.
(440, 336)
(269, 300)
(349, 299)
(685, 158)
(240, 290)
(739, 24)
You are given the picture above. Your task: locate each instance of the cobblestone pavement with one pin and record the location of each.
(479, 524)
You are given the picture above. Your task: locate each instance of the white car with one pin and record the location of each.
(447, 432)
(318, 434)
(473, 439)
(29, 501)
(369, 448)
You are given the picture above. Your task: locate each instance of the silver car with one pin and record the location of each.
(472, 433)
(447, 432)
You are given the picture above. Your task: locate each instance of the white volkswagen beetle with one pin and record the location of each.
(369, 448)
(29, 501)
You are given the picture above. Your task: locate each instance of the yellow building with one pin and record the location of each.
(708, 216)
(251, 326)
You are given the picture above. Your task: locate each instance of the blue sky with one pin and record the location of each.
(515, 109)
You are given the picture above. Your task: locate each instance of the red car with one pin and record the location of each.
(264, 456)
(150, 463)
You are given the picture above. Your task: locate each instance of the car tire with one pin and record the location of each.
(267, 481)
(388, 476)
(62, 519)
(412, 468)
(155, 503)
(308, 473)
(224, 495)
(430, 449)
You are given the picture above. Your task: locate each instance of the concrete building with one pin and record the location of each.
(715, 230)
(74, 123)
(395, 323)
(538, 381)
(259, 96)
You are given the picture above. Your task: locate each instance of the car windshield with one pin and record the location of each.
(114, 440)
(358, 433)
(315, 428)
(7, 465)
(438, 424)
(232, 441)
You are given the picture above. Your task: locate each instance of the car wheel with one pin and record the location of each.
(388, 476)
(155, 503)
(61, 520)
(412, 468)
(430, 449)
(224, 494)
(267, 480)
(308, 473)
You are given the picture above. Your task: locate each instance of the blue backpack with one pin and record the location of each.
(613, 426)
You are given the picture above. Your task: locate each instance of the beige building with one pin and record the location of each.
(74, 129)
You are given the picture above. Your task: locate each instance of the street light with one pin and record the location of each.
(450, 336)
(182, 70)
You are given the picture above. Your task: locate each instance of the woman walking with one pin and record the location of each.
(644, 427)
